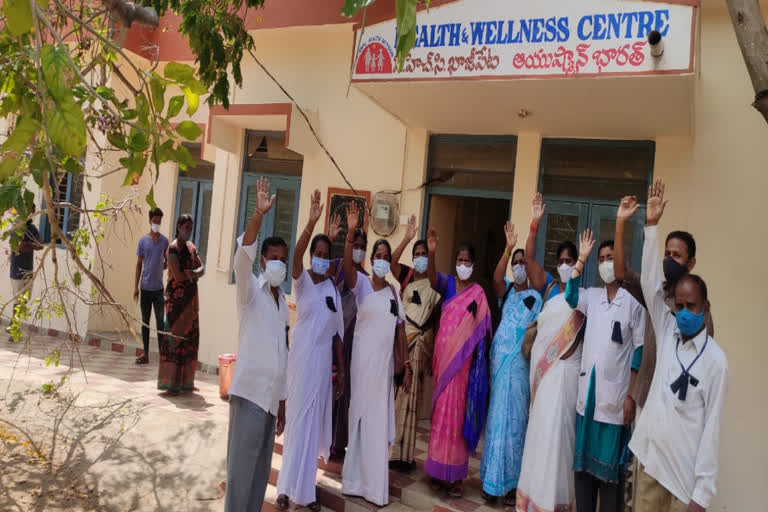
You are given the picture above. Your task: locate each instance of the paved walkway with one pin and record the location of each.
(138, 449)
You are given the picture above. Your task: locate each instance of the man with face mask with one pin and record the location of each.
(678, 433)
(679, 260)
(151, 261)
(258, 391)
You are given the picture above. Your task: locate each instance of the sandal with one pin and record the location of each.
(489, 498)
(282, 502)
(456, 490)
(142, 359)
(435, 484)
(510, 498)
(314, 507)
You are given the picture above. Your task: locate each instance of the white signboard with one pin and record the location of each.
(535, 38)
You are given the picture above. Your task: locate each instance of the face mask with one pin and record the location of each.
(689, 323)
(519, 274)
(320, 265)
(420, 264)
(673, 271)
(185, 234)
(274, 273)
(565, 272)
(155, 228)
(381, 268)
(358, 255)
(464, 272)
(606, 272)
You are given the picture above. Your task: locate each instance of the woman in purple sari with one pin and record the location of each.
(460, 370)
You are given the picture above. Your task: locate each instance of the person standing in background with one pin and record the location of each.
(23, 260)
(150, 264)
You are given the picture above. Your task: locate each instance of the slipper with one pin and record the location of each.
(142, 359)
(282, 502)
(489, 498)
(456, 490)
(314, 507)
(510, 498)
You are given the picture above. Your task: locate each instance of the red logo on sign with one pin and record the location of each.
(374, 59)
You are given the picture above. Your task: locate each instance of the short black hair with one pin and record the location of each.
(418, 244)
(183, 219)
(522, 251)
(686, 238)
(360, 233)
(466, 246)
(320, 237)
(155, 212)
(569, 246)
(383, 242)
(698, 281)
(272, 241)
(604, 244)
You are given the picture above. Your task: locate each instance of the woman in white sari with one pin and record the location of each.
(372, 403)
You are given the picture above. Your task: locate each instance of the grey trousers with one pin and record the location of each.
(249, 455)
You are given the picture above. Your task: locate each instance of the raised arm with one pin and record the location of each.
(432, 243)
(247, 251)
(651, 278)
(334, 228)
(572, 296)
(315, 211)
(536, 272)
(410, 234)
(627, 209)
(353, 217)
(499, 286)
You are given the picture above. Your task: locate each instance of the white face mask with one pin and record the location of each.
(565, 272)
(519, 274)
(155, 228)
(381, 268)
(274, 273)
(358, 255)
(464, 272)
(420, 264)
(606, 272)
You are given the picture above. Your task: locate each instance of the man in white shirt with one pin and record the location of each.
(678, 433)
(258, 390)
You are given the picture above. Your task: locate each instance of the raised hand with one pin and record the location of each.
(586, 244)
(334, 228)
(511, 234)
(412, 229)
(537, 209)
(627, 208)
(432, 241)
(353, 217)
(263, 201)
(656, 203)
(315, 208)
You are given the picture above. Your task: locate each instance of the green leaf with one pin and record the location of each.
(193, 100)
(184, 158)
(23, 133)
(9, 196)
(18, 15)
(174, 106)
(135, 165)
(151, 197)
(351, 7)
(138, 141)
(7, 166)
(165, 152)
(406, 29)
(55, 71)
(77, 278)
(73, 165)
(66, 128)
(189, 130)
(179, 72)
(117, 140)
(157, 85)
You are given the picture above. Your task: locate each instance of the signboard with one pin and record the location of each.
(484, 39)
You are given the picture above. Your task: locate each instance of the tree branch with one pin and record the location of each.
(128, 12)
(752, 36)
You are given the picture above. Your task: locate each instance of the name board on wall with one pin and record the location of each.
(535, 38)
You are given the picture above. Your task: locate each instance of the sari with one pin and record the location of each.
(546, 477)
(508, 409)
(461, 384)
(419, 302)
(178, 351)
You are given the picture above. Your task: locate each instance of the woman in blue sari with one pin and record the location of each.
(510, 390)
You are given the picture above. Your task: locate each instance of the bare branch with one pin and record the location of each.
(752, 36)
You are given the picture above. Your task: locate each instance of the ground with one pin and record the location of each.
(107, 439)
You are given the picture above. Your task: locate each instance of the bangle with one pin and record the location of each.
(582, 262)
(506, 252)
(350, 240)
(256, 210)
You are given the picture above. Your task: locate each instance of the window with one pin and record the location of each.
(193, 196)
(472, 162)
(266, 155)
(69, 190)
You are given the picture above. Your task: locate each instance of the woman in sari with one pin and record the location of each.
(178, 350)
(372, 402)
(508, 409)
(420, 303)
(460, 369)
(546, 477)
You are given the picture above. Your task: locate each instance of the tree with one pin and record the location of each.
(752, 36)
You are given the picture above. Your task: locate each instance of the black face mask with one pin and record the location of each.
(673, 270)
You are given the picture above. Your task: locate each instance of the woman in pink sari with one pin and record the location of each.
(460, 370)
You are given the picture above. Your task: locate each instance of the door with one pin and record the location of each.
(602, 222)
(194, 196)
(281, 219)
(563, 220)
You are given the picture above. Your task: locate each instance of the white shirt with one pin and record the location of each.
(262, 359)
(611, 360)
(678, 441)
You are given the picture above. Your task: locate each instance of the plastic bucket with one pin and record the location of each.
(226, 372)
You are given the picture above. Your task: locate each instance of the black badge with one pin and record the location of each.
(393, 306)
(472, 308)
(286, 337)
(616, 335)
(416, 298)
(331, 305)
(529, 302)
(693, 380)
